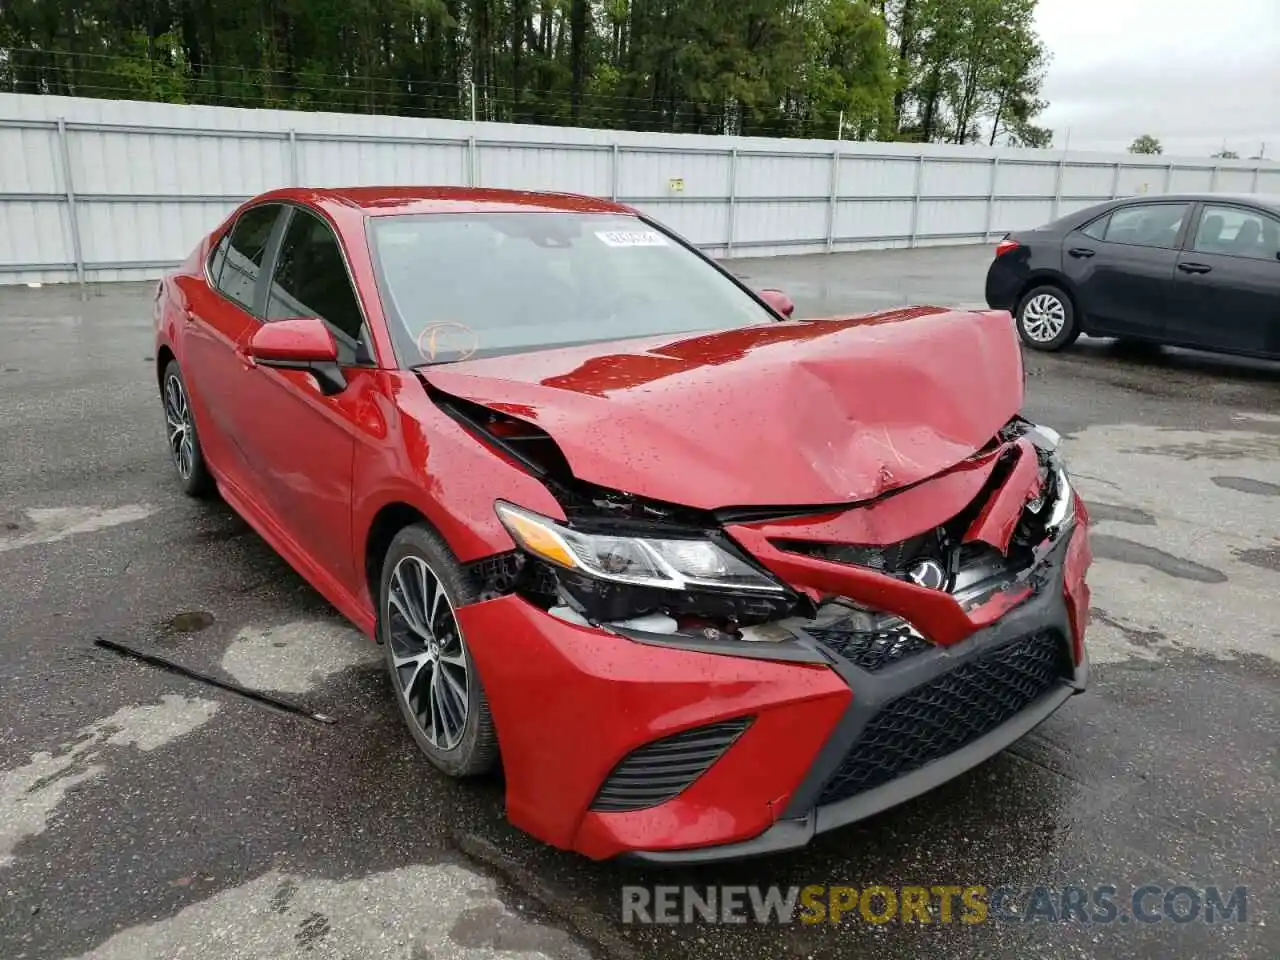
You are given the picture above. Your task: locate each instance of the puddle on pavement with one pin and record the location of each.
(1130, 551)
(1248, 485)
(183, 625)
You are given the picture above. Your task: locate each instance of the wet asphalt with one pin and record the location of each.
(145, 814)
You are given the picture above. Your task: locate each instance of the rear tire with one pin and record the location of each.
(180, 430)
(437, 686)
(1046, 319)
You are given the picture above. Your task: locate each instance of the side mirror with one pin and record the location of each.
(299, 343)
(779, 301)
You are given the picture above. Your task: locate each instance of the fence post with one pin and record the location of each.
(733, 201)
(915, 200)
(293, 158)
(471, 161)
(1168, 177)
(1115, 181)
(1057, 186)
(834, 199)
(1257, 175)
(70, 189)
(991, 199)
(613, 172)
(1213, 179)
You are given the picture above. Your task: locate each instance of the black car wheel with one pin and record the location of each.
(180, 429)
(1046, 319)
(437, 686)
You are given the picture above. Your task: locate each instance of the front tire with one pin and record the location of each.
(1046, 319)
(180, 429)
(435, 680)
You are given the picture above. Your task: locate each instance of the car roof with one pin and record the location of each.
(377, 201)
(1269, 200)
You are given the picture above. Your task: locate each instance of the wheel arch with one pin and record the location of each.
(390, 519)
(164, 356)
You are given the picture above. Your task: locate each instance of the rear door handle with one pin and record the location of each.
(1080, 252)
(1194, 267)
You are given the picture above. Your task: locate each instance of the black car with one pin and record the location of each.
(1190, 270)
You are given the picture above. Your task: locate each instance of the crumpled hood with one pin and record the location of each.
(797, 413)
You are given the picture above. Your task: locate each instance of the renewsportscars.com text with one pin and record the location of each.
(937, 904)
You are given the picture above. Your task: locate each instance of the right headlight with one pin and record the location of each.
(1064, 504)
(666, 563)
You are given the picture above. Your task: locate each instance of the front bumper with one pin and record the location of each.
(571, 702)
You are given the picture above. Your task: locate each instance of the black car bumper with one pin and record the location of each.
(924, 720)
(1006, 278)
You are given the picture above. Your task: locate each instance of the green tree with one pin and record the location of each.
(919, 69)
(1146, 144)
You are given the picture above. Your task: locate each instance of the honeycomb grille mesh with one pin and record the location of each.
(870, 650)
(661, 770)
(948, 712)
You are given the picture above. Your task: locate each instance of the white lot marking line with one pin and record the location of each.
(1168, 474)
(58, 523)
(296, 657)
(29, 794)
(441, 912)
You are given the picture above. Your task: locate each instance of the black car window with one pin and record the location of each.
(311, 279)
(247, 247)
(1236, 232)
(1147, 225)
(1098, 229)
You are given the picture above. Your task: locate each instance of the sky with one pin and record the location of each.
(1192, 73)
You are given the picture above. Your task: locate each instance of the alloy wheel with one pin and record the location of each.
(177, 414)
(1043, 317)
(428, 653)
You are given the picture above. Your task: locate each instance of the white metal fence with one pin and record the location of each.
(121, 190)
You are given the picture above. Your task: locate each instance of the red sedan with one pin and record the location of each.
(704, 579)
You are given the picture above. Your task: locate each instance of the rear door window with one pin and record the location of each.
(1147, 225)
(250, 238)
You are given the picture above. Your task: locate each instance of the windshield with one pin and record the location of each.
(461, 285)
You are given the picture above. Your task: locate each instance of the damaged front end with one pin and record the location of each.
(926, 564)
(792, 669)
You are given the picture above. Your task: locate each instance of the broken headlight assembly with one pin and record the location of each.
(658, 562)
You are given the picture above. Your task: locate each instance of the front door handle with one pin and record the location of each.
(1194, 267)
(1078, 252)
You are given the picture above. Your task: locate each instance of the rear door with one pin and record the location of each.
(221, 315)
(1227, 282)
(1122, 267)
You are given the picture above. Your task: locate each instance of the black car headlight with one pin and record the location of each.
(657, 562)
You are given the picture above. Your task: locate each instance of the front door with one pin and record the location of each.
(301, 441)
(1227, 284)
(1122, 267)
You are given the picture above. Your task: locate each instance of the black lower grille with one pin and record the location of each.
(659, 771)
(870, 649)
(947, 713)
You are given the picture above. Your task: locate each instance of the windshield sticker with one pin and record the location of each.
(632, 238)
(447, 337)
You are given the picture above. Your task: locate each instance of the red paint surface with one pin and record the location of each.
(805, 412)
(1075, 585)
(599, 696)
(300, 339)
(788, 413)
(999, 516)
